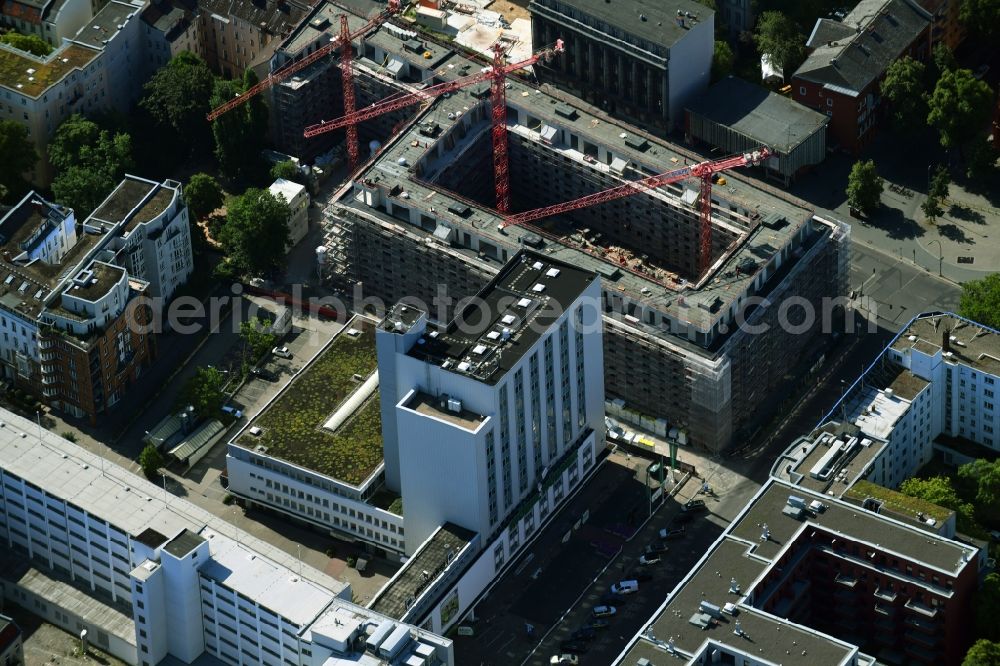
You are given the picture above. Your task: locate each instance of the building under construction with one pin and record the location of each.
(419, 218)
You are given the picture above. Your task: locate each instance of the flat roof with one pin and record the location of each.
(741, 554)
(902, 507)
(104, 25)
(773, 120)
(292, 423)
(651, 20)
(126, 500)
(14, 66)
(860, 457)
(435, 555)
(428, 405)
(522, 302)
(182, 544)
(102, 278)
(975, 345)
(129, 194)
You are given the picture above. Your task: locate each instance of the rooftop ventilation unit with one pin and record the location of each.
(479, 349)
(454, 405)
(552, 272)
(524, 302)
(538, 265)
(538, 288)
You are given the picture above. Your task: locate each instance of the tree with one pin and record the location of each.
(980, 159)
(959, 107)
(722, 60)
(203, 194)
(982, 17)
(257, 337)
(938, 490)
(943, 59)
(255, 234)
(864, 187)
(987, 609)
(931, 208)
(239, 133)
(31, 43)
(90, 162)
(778, 37)
(903, 86)
(203, 391)
(288, 171)
(177, 99)
(984, 477)
(19, 156)
(980, 300)
(150, 460)
(940, 182)
(983, 653)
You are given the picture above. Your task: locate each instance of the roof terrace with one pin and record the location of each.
(292, 424)
(31, 76)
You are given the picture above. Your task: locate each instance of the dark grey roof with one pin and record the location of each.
(277, 17)
(828, 30)
(884, 29)
(151, 538)
(653, 20)
(183, 543)
(104, 25)
(171, 17)
(769, 118)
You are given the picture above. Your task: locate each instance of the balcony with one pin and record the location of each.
(921, 608)
(887, 595)
(846, 580)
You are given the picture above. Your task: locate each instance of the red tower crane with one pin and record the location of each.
(703, 171)
(283, 73)
(496, 75)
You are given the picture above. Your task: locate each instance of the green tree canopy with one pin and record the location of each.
(177, 98)
(940, 183)
(722, 60)
(903, 86)
(983, 653)
(203, 194)
(984, 477)
(931, 208)
(943, 59)
(90, 163)
(255, 234)
(778, 37)
(987, 611)
(203, 391)
(982, 17)
(960, 107)
(980, 300)
(19, 157)
(257, 337)
(150, 460)
(938, 490)
(239, 133)
(288, 171)
(31, 43)
(864, 187)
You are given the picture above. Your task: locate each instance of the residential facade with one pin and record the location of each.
(52, 20)
(74, 300)
(11, 642)
(297, 198)
(182, 581)
(846, 65)
(644, 60)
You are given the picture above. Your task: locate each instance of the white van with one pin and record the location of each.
(625, 587)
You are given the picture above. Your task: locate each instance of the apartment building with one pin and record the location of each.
(643, 60)
(52, 20)
(73, 299)
(847, 62)
(11, 642)
(97, 69)
(805, 577)
(181, 581)
(297, 198)
(168, 28)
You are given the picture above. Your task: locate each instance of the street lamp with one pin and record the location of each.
(940, 255)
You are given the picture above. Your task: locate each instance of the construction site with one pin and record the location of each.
(461, 167)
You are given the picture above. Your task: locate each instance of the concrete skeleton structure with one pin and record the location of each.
(419, 218)
(165, 578)
(803, 577)
(73, 324)
(642, 59)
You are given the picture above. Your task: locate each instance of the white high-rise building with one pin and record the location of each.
(481, 414)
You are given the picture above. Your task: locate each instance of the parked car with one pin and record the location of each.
(625, 587)
(604, 611)
(648, 558)
(598, 623)
(264, 374)
(583, 634)
(282, 352)
(574, 647)
(564, 659)
(229, 409)
(694, 505)
(657, 547)
(672, 532)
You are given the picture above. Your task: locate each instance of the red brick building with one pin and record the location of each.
(842, 75)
